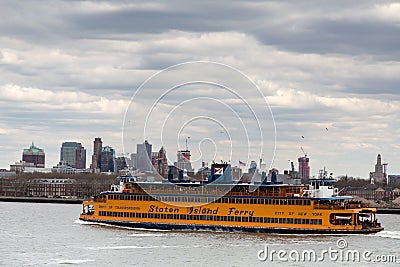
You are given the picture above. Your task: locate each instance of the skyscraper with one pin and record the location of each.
(160, 162)
(183, 161)
(74, 154)
(133, 161)
(107, 162)
(96, 157)
(34, 155)
(304, 168)
(143, 156)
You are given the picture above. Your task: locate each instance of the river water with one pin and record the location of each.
(33, 234)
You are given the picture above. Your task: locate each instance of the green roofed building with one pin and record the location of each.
(34, 155)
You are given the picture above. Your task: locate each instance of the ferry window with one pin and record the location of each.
(169, 216)
(181, 216)
(162, 216)
(245, 219)
(266, 220)
(209, 218)
(320, 221)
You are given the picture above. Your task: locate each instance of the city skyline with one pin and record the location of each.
(329, 73)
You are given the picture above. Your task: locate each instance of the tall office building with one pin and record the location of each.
(143, 156)
(96, 157)
(133, 161)
(304, 168)
(34, 155)
(74, 154)
(121, 163)
(107, 162)
(160, 162)
(183, 161)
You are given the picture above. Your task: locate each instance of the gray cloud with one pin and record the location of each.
(333, 64)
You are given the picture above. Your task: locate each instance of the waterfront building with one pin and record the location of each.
(394, 180)
(73, 154)
(107, 159)
(51, 187)
(373, 192)
(143, 158)
(96, 157)
(379, 175)
(34, 155)
(304, 168)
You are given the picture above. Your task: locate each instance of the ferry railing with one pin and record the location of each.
(209, 192)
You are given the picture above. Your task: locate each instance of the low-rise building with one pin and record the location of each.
(51, 187)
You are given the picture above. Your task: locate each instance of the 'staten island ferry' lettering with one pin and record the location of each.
(220, 204)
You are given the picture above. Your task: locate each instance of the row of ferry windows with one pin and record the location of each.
(209, 217)
(230, 200)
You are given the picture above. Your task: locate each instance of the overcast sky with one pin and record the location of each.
(329, 70)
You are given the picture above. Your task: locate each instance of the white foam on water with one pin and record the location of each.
(73, 261)
(389, 234)
(145, 235)
(78, 221)
(129, 247)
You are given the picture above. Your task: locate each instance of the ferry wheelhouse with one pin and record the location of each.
(219, 204)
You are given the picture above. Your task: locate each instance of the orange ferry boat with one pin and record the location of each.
(267, 207)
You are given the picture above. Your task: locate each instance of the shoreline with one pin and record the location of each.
(42, 200)
(388, 210)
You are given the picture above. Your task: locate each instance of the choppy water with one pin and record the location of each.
(50, 235)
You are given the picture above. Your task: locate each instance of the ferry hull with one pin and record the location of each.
(272, 230)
